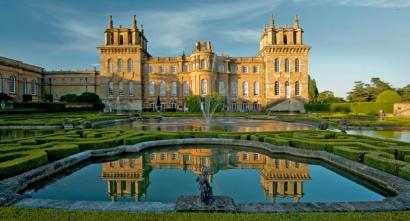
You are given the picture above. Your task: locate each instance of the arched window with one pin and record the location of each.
(297, 88)
(255, 106)
(287, 65)
(245, 88)
(24, 86)
(119, 65)
(174, 88)
(277, 88)
(109, 65)
(256, 88)
(130, 65)
(162, 90)
(151, 89)
(1, 83)
(33, 87)
(185, 67)
(277, 65)
(297, 65)
(12, 84)
(130, 88)
(202, 64)
(222, 88)
(287, 89)
(121, 88)
(185, 88)
(245, 106)
(110, 88)
(233, 87)
(204, 87)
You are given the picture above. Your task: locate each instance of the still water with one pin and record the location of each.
(401, 135)
(161, 175)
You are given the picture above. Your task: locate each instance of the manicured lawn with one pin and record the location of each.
(13, 213)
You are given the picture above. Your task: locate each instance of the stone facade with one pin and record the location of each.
(401, 109)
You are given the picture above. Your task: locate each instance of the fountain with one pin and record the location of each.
(209, 104)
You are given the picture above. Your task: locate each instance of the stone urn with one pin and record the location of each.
(323, 125)
(343, 125)
(87, 125)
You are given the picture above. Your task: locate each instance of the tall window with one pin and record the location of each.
(110, 88)
(297, 65)
(121, 42)
(276, 88)
(173, 69)
(245, 88)
(185, 88)
(151, 89)
(232, 67)
(150, 69)
(287, 89)
(12, 84)
(185, 67)
(174, 88)
(121, 88)
(285, 39)
(109, 65)
(277, 65)
(202, 64)
(161, 69)
(244, 69)
(222, 88)
(255, 106)
(287, 65)
(1, 83)
(255, 69)
(233, 87)
(297, 88)
(204, 87)
(24, 86)
(256, 88)
(130, 65)
(119, 65)
(245, 106)
(162, 90)
(130, 88)
(221, 68)
(33, 87)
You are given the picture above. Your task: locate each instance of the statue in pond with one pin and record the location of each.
(343, 125)
(204, 187)
(323, 125)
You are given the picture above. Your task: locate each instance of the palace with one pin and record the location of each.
(130, 78)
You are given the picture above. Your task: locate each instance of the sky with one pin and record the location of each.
(352, 40)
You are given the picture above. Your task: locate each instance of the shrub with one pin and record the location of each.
(317, 107)
(70, 98)
(28, 142)
(276, 141)
(88, 97)
(383, 161)
(5, 97)
(27, 97)
(99, 144)
(61, 150)
(388, 96)
(340, 107)
(48, 98)
(404, 171)
(26, 161)
(139, 139)
(349, 153)
(230, 136)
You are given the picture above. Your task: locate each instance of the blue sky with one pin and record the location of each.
(351, 39)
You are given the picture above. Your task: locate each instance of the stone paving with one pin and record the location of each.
(400, 188)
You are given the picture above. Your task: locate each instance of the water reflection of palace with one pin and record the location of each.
(278, 177)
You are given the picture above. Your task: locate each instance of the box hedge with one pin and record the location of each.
(383, 161)
(60, 151)
(28, 160)
(349, 153)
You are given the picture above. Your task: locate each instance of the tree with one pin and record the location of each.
(405, 93)
(359, 93)
(70, 98)
(388, 96)
(313, 91)
(328, 97)
(377, 86)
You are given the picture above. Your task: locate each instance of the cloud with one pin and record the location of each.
(393, 4)
(243, 36)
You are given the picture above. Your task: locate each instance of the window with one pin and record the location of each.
(256, 88)
(152, 105)
(33, 87)
(287, 65)
(12, 84)
(202, 64)
(174, 88)
(173, 69)
(24, 86)
(234, 106)
(287, 89)
(276, 88)
(161, 69)
(245, 156)
(173, 105)
(287, 164)
(121, 88)
(150, 69)
(221, 68)
(204, 87)
(285, 39)
(130, 65)
(130, 88)
(255, 156)
(174, 156)
(277, 65)
(162, 106)
(245, 88)
(185, 88)
(110, 88)
(232, 67)
(1, 83)
(151, 89)
(121, 40)
(297, 88)
(162, 156)
(132, 163)
(162, 91)
(255, 69)
(119, 65)
(277, 163)
(109, 65)
(297, 65)
(233, 88)
(185, 67)
(245, 106)
(244, 69)
(222, 88)
(255, 106)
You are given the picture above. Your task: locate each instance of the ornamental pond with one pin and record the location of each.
(244, 174)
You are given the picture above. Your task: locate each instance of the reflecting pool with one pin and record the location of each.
(402, 135)
(161, 175)
(227, 124)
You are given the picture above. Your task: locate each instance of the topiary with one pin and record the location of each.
(388, 96)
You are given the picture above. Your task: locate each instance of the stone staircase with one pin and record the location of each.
(287, 105)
